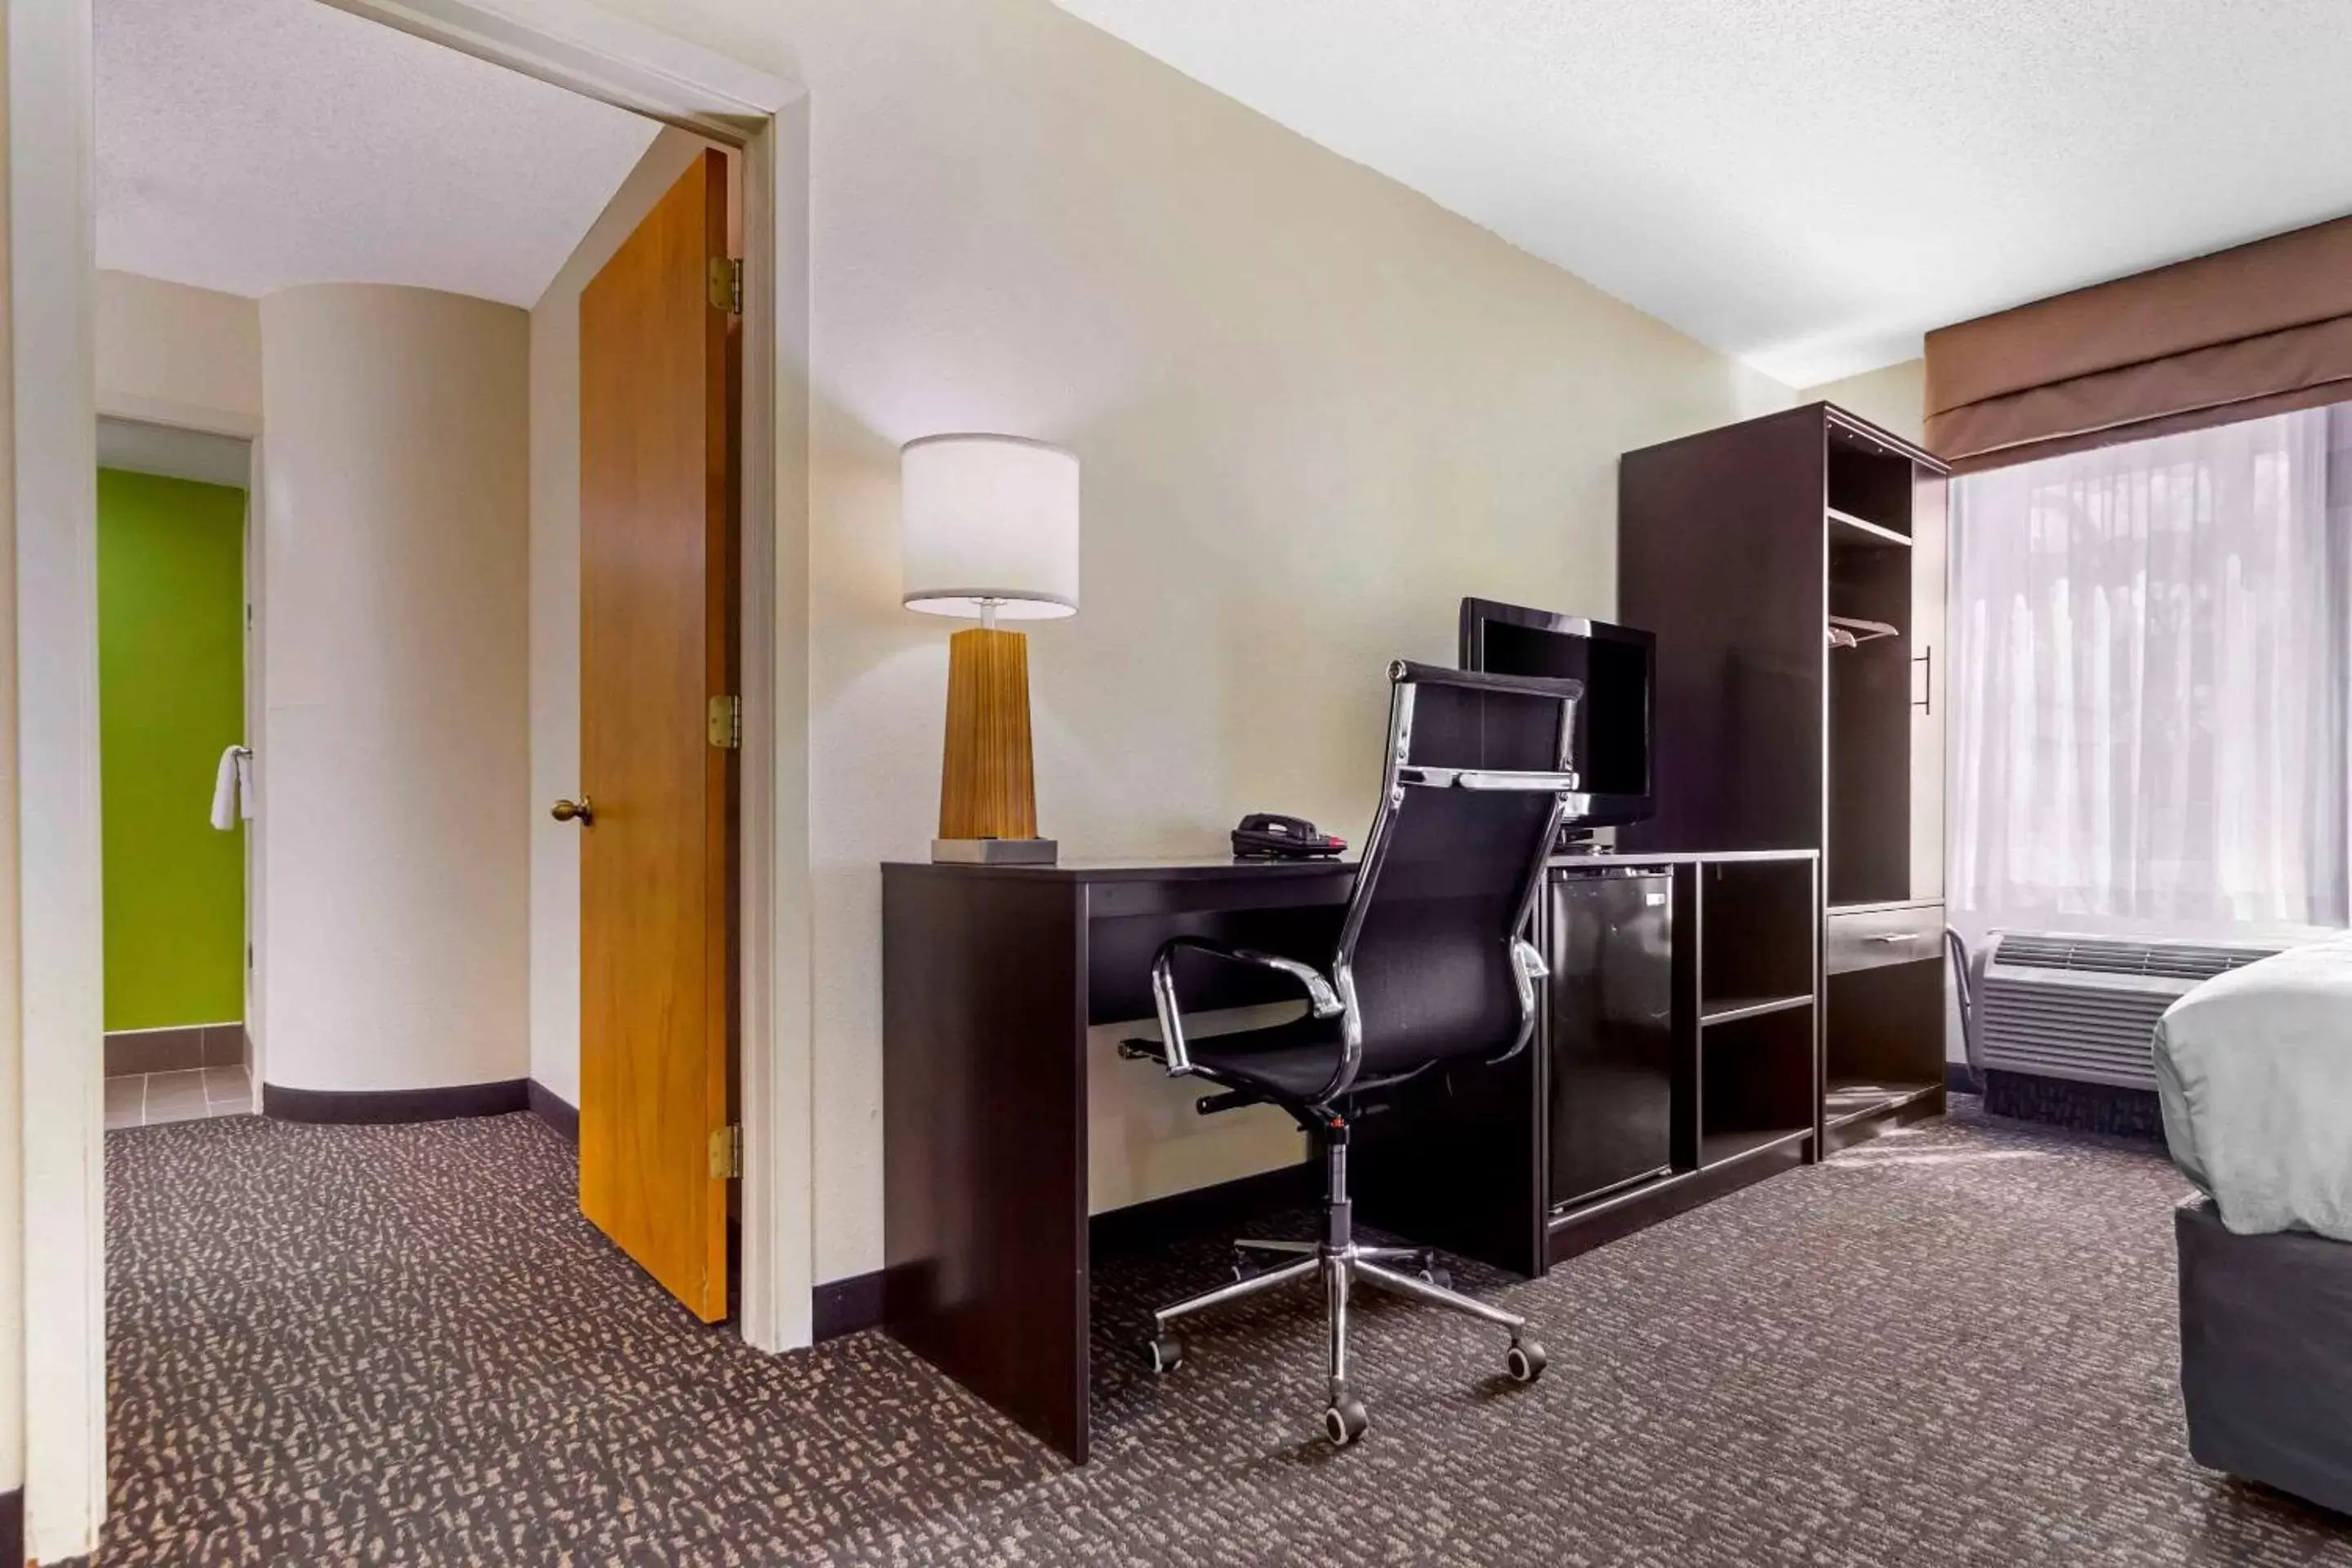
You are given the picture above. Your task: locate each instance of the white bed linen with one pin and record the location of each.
(2254, 1067)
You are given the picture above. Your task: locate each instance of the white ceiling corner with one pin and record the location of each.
(254, 145)
(1808, 185)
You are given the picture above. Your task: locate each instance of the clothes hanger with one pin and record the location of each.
(1845, 631)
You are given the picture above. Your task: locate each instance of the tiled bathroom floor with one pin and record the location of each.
(150, 1100)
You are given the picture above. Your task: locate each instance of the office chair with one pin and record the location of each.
(1433, 968)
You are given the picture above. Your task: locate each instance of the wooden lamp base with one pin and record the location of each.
(988, 792)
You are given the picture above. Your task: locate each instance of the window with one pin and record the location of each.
(2150, 683)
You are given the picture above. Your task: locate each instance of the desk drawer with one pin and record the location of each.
(1874, 934)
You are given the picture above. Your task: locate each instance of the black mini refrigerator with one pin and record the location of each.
(1611, 997)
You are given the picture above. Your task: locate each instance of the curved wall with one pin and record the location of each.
(392, 925)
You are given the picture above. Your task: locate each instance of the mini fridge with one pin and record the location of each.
(1611, 1035)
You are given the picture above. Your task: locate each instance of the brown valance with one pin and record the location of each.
(2256, 330)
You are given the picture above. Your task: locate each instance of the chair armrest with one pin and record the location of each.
(1320, 997)
(1527, 966)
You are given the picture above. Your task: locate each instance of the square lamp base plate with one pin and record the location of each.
(993, 851)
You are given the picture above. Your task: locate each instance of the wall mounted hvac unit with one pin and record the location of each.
(2085, 1007)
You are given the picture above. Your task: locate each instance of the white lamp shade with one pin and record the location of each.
(990, 519)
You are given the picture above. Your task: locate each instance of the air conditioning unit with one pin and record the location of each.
(2085, 1007)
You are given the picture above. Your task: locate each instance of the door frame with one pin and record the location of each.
(53, 416)
(234, 426)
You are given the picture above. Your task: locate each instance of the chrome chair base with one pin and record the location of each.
(1342, 1265)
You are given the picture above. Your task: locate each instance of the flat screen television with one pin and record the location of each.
(1612, 744)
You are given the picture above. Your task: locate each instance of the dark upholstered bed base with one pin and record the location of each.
(2266, 1354)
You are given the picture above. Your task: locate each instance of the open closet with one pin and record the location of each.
(1792, 570)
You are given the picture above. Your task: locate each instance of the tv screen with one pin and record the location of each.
(1612, 744)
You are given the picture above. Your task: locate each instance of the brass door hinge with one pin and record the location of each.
(727, 285)
(727, 722)
(726, 1152)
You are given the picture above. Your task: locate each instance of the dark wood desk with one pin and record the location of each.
(992, 974)
(990, 978)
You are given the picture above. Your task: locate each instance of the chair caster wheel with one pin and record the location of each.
(1437, 1274)
(1524, 1361)
(1345, 1422)
(1166, 1353)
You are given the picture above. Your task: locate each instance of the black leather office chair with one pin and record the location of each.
(1434, 967)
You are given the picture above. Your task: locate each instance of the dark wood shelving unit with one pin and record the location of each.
(1745, 1048)
(1798, 813)
(1738, 548)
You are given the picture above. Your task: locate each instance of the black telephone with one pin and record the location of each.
(1266, 835)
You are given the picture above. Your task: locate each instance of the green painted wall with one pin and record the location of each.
(171, 691)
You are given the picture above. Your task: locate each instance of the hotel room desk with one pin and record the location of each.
(991, 976)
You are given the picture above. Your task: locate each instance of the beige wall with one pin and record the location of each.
(393, 754)
(1894, 398)
(555, 615)
(12, 1114)
(1314, 411)
(176, 355)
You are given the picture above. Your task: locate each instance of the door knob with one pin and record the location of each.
(578, 810)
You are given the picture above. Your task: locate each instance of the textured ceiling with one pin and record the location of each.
(1808, 185)
(251, 146)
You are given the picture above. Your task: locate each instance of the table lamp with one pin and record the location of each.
(990, 530)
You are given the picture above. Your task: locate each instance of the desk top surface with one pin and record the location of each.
(1221, 868)
(1121, 868)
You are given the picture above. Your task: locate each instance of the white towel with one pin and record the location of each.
(233, 789)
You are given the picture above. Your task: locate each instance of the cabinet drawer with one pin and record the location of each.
(1868, 935)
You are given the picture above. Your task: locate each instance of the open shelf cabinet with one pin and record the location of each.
(1887, 1046)
(1792, 569)
(1756, 1083)
(1735, 1069)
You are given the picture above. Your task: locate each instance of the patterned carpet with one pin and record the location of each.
(402, 1345)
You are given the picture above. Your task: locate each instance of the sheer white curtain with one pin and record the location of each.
(2148, 684)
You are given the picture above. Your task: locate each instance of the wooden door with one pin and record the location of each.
(656, 647)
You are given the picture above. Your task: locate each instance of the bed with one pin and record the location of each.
(2254, 1072)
